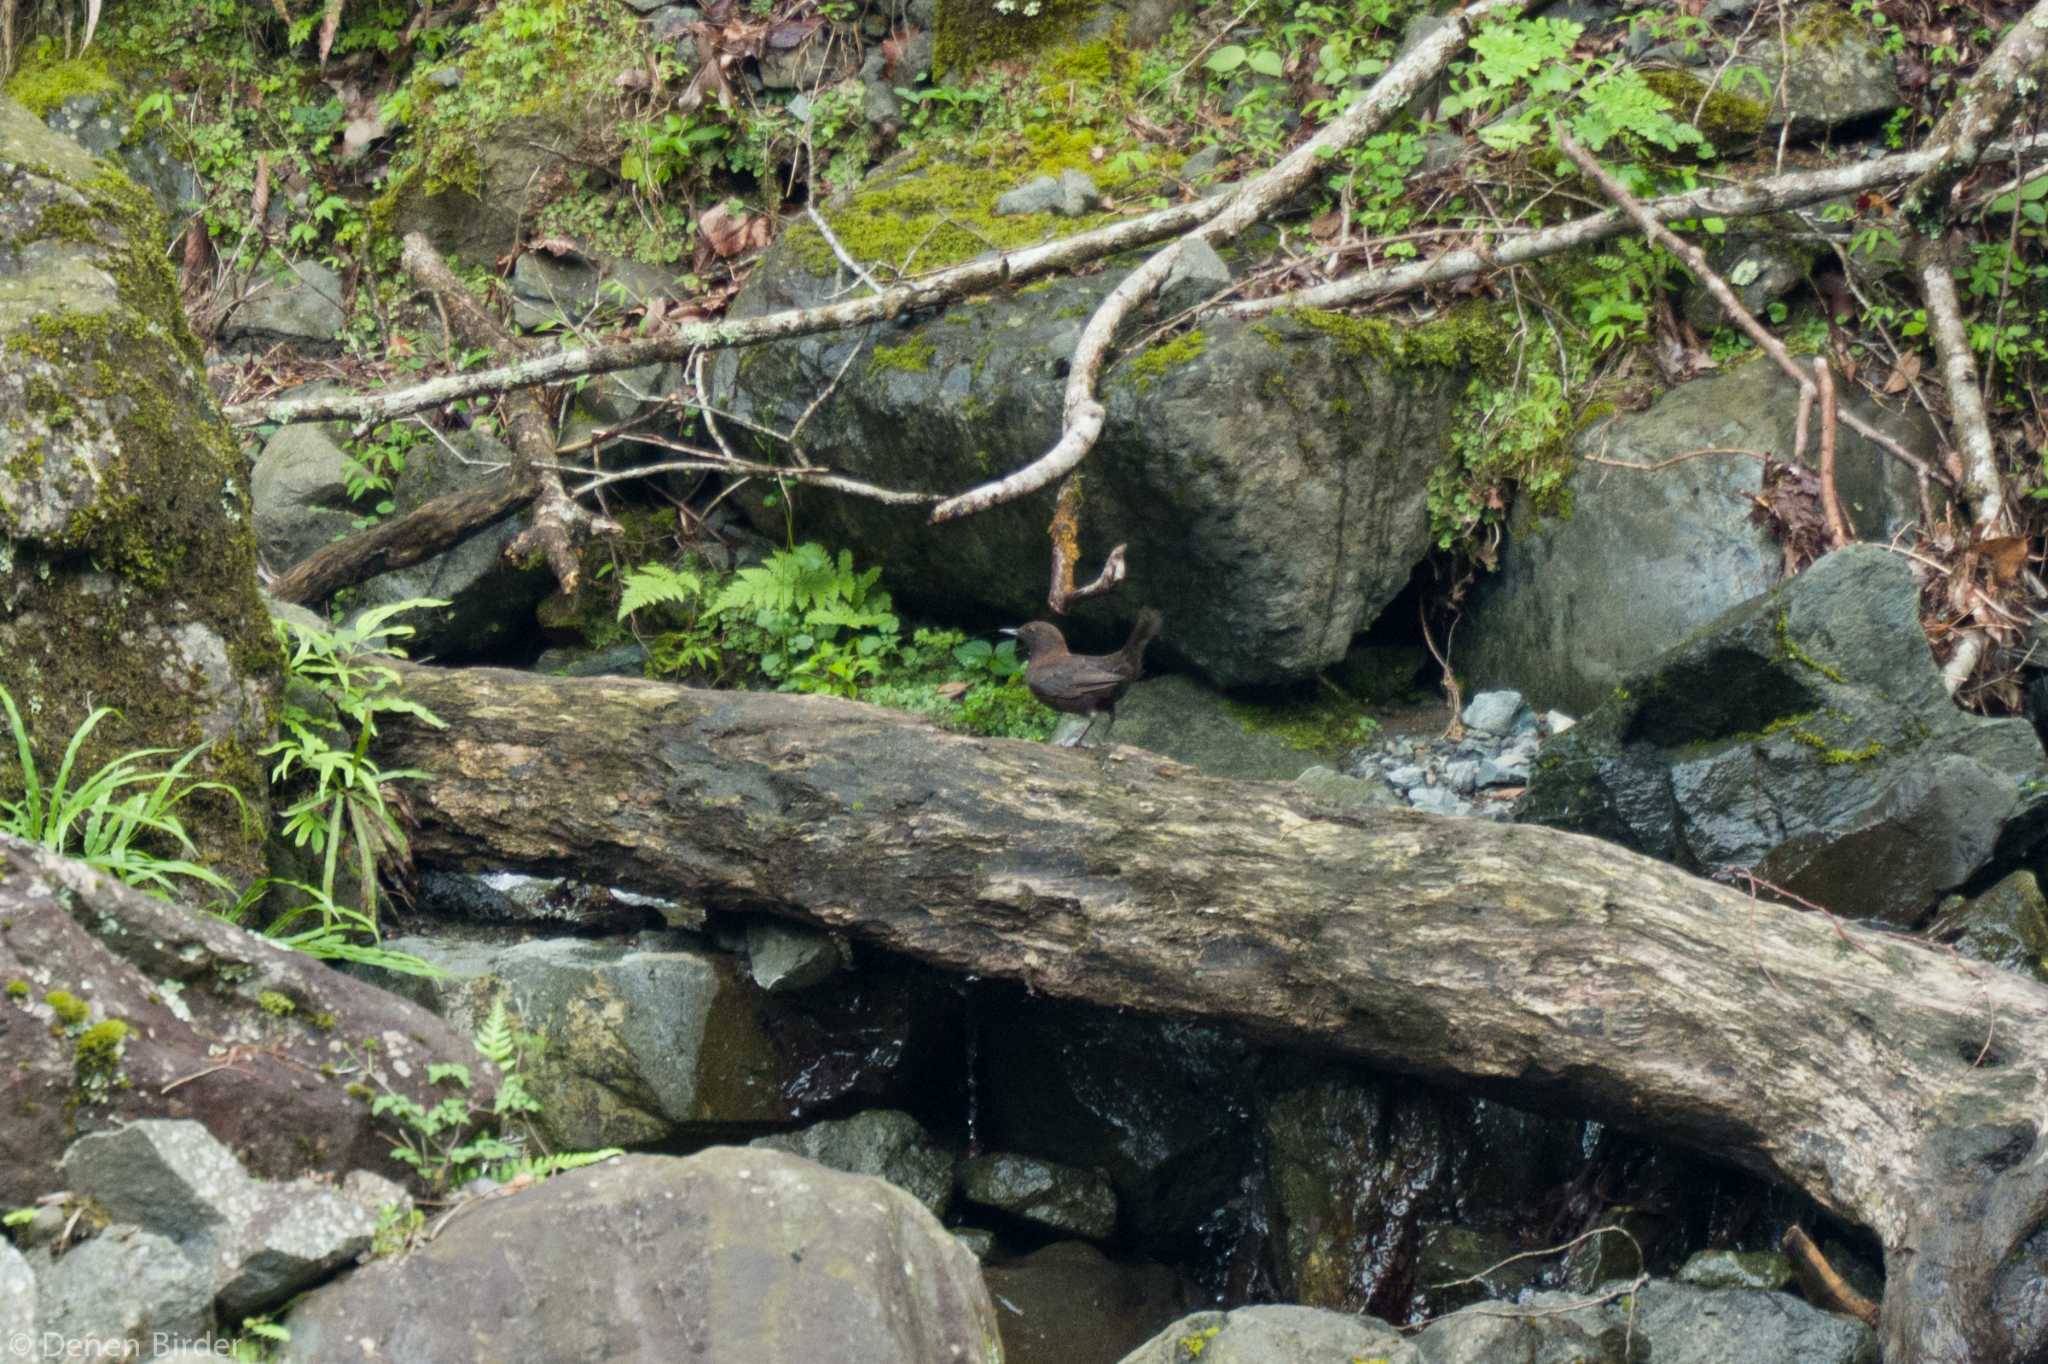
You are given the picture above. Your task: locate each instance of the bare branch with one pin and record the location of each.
(1249, 203)
(1982, 110)
(1718, 287)
(1983, 489)
(1839, 531)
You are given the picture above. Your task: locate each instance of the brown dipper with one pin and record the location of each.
(1083, 684)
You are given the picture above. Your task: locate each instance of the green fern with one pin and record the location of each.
(652, 584)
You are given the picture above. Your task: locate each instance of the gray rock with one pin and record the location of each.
(2007, 925)
(671, 24)
(1438, 800)
(730, 1254)
(619, 660)
(1687, 1325)
(1275, 1335)
(553, 291)
(172, 1178)
(1069, 1302)
(1760, 267)
(1492, 772)
(1406, 776)
(788, 957)
(375, 1192)
(299, 494)
(1494, 712)
(103, 125)
(980, 1241)
(478, 221)
(1461, 775)
(122, 1288)
(1467, 1264)
(1036, 196)
(649, 1042)
(301, 308)
(1191, 722)
(1283, 559)
(881, 1142)
(1198, 273)
(1043, 1192)
(1537, 1331)
(1763, 1269)
(647, 6)
(1836, 73)
(1805, 735)
(490, 599)
(1333, 787)
(17, 1291)
(262, 1242)
(1648, 557)
(1202, 164)
(796, 58)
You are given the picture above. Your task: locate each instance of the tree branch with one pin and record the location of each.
(1251, 202)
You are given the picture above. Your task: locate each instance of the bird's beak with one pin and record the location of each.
(1011, 633)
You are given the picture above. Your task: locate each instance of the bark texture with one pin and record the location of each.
(1892, 1082)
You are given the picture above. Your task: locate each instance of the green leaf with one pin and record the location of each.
(1266, 62)
(1225, 60)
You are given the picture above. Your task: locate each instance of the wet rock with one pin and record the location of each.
(1467, 1264)
(1805, 735)
(1159, 1106)
(1535, 1333)
(1684, 1324)
(515, 898)
(881, 1142)
(1274, 1335)
(1760, 267)
(731, 1254)
(1645, 558)
(1041, 1192)
(300, 493)
(1069, 1302)
(301, 307)
(1764, 1269)
(653, 1038)
(978, 1240)
(784, 958)
(1284, 559)
(2007, 925)
(166, 990)
(619, 660)
(799, 56)
(119, 1290)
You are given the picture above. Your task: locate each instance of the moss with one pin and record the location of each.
(1466, 337)
(359, 1091)
(271, 1002)
(1320, 724)
(1827, 26)
(969, 34)
(96, 1059)
(1832, 755)
(1789, 648)
(942, 210)
(18, 989)
(1151, 366)
(46, 80)
(71, 1011)
(1726, 119)
(914, 356)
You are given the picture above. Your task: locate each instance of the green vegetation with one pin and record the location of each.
(806, 621)
(456, 1141)
(121, 818)
(337, 690)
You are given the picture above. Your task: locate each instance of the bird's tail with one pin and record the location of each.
(1142, 634)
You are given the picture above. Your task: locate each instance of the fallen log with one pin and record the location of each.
(1894, 1083)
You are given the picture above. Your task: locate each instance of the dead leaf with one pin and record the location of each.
(558, 247)
(731, 232)
(1903, 373)
(259, 198)
(953, 691)
(329, 23)
(1327, 227)
(2005, 556)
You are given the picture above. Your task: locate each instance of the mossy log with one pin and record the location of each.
(1891, 1081)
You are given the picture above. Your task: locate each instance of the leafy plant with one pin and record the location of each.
(797, 603)
(109, 817)
(456, 1141)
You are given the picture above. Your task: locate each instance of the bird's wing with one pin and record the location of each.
(1090, 681)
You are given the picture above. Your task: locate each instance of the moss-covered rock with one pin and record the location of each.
(1269, 479)
(127, 570)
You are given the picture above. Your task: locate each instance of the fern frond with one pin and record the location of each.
(656, 583)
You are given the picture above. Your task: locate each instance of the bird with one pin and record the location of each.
(1083, 684)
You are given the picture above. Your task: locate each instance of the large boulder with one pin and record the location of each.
(1068, 1302)
(1647, 556)
(127, 572)
(658, 1038)
(115, 1006)
(1270, 479)
(1806, 737)
(731, 1254)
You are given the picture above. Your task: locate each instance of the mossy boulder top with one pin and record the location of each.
(127, 570)
(1270, 478)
